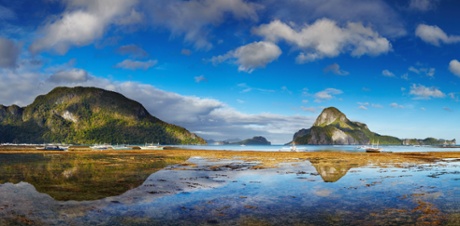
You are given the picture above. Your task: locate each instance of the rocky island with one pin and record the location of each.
(333, 127)
(257, 140)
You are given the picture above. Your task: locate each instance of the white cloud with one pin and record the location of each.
(9, 53)
(327, 94)
(69, 76)
(396, 105)
(377, 13)
(435, 35)
(362, 107)
(377, 106)
(454, 67)
(388, 73)
(134, 65)
(454, 96)
(245, 88)
(193, 18)
(251, 56)
(423, 92)
(200, 78)
(324, 38)
(430, 72)
(210, 118)
(83, 22)
(423, 5)
(335, 68)
(309, 109)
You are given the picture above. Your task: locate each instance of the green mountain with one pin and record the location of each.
(333, 127)
(84, 115)
(254, 141)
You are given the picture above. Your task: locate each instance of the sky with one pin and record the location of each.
(228, 69)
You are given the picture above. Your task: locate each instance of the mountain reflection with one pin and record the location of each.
(81, 177)
(333, 170)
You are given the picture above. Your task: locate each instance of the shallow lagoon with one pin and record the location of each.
(201, 191)
(314, 148)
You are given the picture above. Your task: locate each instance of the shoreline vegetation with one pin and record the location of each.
(265, 158)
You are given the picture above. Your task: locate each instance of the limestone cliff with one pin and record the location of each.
(333, 127)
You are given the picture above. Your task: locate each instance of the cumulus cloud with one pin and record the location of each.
(423, 92)
(335, 69)
(9, 53)
(324, 38)
(193, 18)
(132, 51)
(377, 13)
(83, 22)
(388, 73)
(326, 94)
(435, 35)
(134, 65)
(423, 5)
(69, 76)
(454, 67)
(251, 56)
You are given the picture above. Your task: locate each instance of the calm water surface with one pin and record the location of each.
(228, 192)
(313, 148)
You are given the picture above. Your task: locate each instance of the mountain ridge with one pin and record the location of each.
(86, 115)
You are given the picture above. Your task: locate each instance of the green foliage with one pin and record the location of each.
(332, 120)
(255, 141)
(89, 115)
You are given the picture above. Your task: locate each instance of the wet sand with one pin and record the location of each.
(266, 159)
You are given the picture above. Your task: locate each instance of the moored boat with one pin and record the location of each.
(373, 149)
(151, 147)
(51, 148)
(100, 147)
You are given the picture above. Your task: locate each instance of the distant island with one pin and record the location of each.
(86, 115)
(332, 127)
(257, 140)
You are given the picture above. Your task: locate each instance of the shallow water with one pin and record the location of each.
(234, 192)
(313, 148)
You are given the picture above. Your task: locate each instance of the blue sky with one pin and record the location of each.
(236, 69)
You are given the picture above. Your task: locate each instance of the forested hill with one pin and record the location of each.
(84, 115)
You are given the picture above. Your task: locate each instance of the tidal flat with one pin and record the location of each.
(195, 187)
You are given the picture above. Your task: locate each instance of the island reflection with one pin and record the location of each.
(81, 177)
